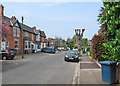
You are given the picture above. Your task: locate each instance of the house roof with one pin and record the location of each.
(37, 31)
(4, 18)
(42, 33)
(27, 28)
(12, 22)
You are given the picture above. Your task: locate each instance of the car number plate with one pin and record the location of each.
(12, 53)
(70, 58)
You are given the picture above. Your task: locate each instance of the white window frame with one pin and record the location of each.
(14, 31)
(17, 44)
(32, 37)
(7, 44)
(38, 37)
(43, 39)
(26, 34)
(27, 43)
(18, 32)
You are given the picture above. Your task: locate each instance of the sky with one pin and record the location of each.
(57, 18)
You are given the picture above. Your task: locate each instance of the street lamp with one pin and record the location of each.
(22, 36)
(79, 34)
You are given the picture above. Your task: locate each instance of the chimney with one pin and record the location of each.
(34, 28)
(13, 18)
(1, 10)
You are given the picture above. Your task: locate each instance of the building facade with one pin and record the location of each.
(32, 39)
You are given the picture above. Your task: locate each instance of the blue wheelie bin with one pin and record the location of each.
(108, 69)
(83, 52)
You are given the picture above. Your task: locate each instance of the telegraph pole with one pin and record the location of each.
(79, 35)
(22, 37)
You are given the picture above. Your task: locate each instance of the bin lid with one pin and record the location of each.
(107, 62)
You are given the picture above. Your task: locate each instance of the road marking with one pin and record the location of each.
(76, 77)
(86, 62)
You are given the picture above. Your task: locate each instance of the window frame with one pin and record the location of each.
(16, 44)
(26, 34)
(29, 46)
(14, 31)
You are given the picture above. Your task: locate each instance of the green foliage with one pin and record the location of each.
(84, 42)
(75, 46)
(97, 47)
(80, 55)
(87, 47)
(110, 21)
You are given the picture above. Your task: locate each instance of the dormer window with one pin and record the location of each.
(16, 30)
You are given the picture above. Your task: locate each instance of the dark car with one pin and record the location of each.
(72, 55)
(13, 50)
(7, 54)
(48, 49)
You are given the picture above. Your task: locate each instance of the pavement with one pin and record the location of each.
(90, 72)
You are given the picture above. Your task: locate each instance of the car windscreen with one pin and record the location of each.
(72, 52)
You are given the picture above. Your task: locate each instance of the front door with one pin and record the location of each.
(3, 43)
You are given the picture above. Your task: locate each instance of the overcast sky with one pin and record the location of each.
(57, 18)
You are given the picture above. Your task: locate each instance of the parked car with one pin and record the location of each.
(72, 55)
(48, 49)
(7, 54)
(13, 50)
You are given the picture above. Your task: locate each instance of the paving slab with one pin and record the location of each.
(90, 73)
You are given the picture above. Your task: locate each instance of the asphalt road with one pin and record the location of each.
(48, 69)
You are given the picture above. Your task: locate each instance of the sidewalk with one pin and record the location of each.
(90, 72)
(27, 56)
(31, 55)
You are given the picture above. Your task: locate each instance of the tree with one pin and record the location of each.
(97, 47)
(85, 41)
(110, 24)
(5, 29)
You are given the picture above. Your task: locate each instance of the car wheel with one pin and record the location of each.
(4, 58)
(77, 60)
(65, 59)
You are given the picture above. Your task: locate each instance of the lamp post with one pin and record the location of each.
(22, 37)
(79, 34)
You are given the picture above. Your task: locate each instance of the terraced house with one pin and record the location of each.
(33, 39)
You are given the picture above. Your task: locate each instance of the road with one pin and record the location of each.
(46, 69)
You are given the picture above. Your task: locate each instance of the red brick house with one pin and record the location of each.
(33, 39)
(43, 39)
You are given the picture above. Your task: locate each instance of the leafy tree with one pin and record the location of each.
(97, 47)
(84, 42)
(4, 29)
(110, 24)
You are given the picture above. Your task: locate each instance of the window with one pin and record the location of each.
(16, 43)
(38, 46)
(14, 31)
(38, 37)
(18, 32)
(27, 45)
(7, 44)
(43, 39)
(26, 34)
(32, 37)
